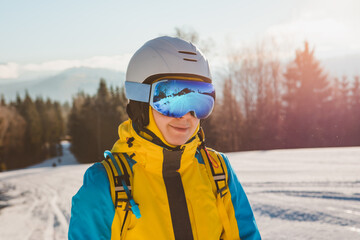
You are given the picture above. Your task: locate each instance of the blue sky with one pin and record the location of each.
(48, 36)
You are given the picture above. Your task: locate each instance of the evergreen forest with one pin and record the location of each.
(262, 104)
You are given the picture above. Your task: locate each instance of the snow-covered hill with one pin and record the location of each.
(296, 194)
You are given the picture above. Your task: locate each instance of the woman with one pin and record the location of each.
(168, 185)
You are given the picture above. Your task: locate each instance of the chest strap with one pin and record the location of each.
(176, 195)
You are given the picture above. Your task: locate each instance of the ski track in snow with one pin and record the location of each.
(295, 194)
(38, 199)
(303, 193)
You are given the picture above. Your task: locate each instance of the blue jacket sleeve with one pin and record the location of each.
(243, 213)
(92, 209)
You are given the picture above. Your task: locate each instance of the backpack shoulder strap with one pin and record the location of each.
(218, 174)
(118, 170)
(216, 168)
(120, 177)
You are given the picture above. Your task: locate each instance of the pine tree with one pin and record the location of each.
(18, 104)
(306, 94)
(103, 118)
(65, 113)
(59, 125)
(331, 111)
(56, 126)
(355, 112)
(119, 102)
(96, 119)
(12, 132)
(2, 101)
(41, 109)
(342, 114)
(81, 127)
(33, 134)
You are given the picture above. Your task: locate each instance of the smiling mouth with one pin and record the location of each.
(181, 129)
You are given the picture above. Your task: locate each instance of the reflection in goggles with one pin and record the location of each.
(175, 98)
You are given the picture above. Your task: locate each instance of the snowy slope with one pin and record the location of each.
(296, 194)
(39, 199)
(303, 193)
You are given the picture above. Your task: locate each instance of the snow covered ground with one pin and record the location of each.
(303, 193)
(295, 194)
(35, 202)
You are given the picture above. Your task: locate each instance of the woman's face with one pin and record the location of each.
(176, 131)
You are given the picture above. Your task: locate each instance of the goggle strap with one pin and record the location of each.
(137, 91)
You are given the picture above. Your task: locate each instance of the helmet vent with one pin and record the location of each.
(188, 53)
(185, 52)
(191, 60)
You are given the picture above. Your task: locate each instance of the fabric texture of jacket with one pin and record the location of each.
(93, 214)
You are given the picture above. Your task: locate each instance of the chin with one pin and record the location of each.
(176, 142)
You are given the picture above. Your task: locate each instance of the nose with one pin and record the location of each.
(189, 115)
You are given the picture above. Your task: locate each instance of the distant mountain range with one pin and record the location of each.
(63, 86)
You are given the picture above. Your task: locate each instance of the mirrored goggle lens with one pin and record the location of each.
(175, 98)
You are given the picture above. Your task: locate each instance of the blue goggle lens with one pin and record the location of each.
(175, 98)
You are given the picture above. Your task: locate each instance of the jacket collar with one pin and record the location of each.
(146, 151)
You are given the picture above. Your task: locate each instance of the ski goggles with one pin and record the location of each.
(175, 98)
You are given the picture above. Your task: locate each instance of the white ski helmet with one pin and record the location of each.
(167, 56)
(160, 57)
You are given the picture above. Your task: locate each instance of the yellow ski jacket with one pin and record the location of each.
(172, 190)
